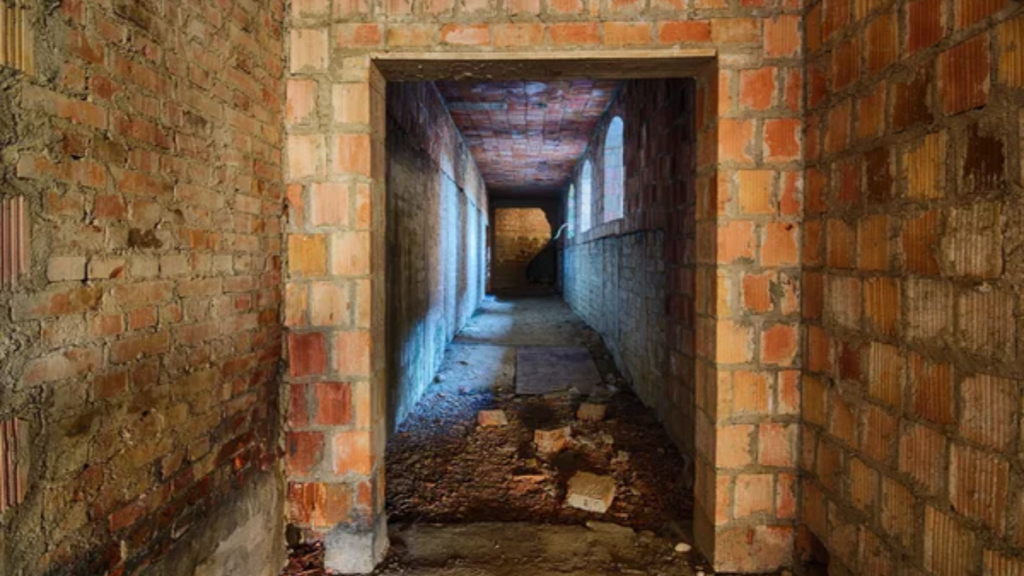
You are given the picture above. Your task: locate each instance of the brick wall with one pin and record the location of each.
(332, 42)
(911, 444)
(519, 235)
(616, 273)
(142, 345)
(436, 225)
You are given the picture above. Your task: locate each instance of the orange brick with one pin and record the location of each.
(733, 446)
(358, 35)
(350, 253)
(885, 374)
(329, 204)
(897, 512)
(835, 18)
(969, 12)
(565, 6)
(305, 156)
(873, 243)
(308, 50)
(301, 100)
(988, 406)
(683, 32)
(779, 345)
(734, 343)
(353, 453)
(750, 393)
(781, 245)
(964, 75)
(924, 23)
(329, 304)
(735, 30)
(756, 191)
(782, 37)
(466, 34)
(754, 494)
(871, 113)
(307, 254)
(841, 243)
(782, 140)
(736, 140)
(351, 103)
(777, 445)
(351, 155)
(880, 38)
(978, 486)
(837, 139)
(758, 88)
(735, 242)
(304, 452)
(1011, 50)
(572, 34)
(757, 292)
(882, 305)
(411, 35)
(627, 33)
(845, 64)
(513, 35)
(922, 456)
(352, 353)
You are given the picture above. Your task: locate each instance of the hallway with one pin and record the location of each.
(446, 467)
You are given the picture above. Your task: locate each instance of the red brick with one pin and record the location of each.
(307, 354)
(298, 412)
(873, 243)
(750, 392)
(319, 505)
(333, 403)
(1011, 51)
(841, 244)
(411, 35)
(845, 64)
(305, 451)
(924, 24)
(733, 343)
(979, 486)
(308, 49)
(964, 75)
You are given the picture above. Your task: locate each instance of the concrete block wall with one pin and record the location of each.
(912, 393)
(141, 346)
(437, 220)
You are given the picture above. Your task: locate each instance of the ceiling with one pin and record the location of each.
(527, 136)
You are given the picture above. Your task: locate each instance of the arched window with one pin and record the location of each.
(570, 217)
(614, 171)
(585, 196)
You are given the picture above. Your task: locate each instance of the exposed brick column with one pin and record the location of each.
(749, 210)
(334, 311)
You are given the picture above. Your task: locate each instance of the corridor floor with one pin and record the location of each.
(465, 499)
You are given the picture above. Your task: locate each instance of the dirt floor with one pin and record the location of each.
(444, 468)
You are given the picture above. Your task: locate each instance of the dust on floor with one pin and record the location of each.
(444, 468)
